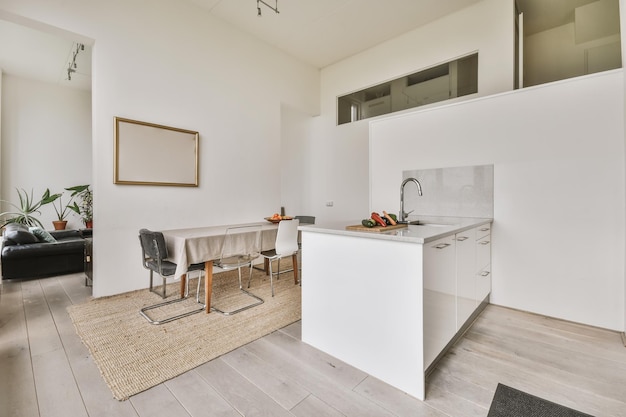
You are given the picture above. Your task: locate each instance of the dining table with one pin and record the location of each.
(204, 244)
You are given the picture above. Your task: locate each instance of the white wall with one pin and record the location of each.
(559, 188)
(339, 154)
(46, 141)
(171, 63)
(295, 167)
(622, 8)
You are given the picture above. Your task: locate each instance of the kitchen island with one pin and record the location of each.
(386, 302)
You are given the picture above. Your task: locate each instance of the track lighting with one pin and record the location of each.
(72, 65)
(258, 7)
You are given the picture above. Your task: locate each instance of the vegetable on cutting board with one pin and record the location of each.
(376, 217)
(388, 217)
(368, 223)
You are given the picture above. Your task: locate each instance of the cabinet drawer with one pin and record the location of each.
(483, 284)
(482, 231)
(483, 252)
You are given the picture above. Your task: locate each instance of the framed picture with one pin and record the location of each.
(151, 154)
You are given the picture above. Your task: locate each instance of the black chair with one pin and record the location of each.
(303, 220)
(306, 219)
(154, 258)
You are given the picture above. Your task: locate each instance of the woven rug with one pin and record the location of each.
(509, 402)
(134, 355)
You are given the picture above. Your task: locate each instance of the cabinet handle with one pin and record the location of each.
(442, 246)
(484, 229)
(484, 273)
(461, 238)
(484, 242)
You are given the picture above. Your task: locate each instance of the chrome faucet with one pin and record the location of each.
(403, 214)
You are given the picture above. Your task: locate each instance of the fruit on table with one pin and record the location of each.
(277, 216)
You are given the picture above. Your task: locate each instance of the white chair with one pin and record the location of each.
(286, 245)
(241, 246)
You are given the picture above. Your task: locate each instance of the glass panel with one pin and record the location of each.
(453, 79)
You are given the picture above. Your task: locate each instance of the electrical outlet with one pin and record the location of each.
(329, 204)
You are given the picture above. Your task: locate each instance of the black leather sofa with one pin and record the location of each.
(25, 253)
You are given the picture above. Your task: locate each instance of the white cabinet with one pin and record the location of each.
(465, 276)
(457, 278)
(439, 296)
(483, 263)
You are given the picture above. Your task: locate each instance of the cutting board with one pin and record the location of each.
(361, 228)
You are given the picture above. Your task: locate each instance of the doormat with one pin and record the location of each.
(509, 402)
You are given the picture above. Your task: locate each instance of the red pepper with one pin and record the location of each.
(376, 217)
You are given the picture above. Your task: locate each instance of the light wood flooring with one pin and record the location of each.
(45, 370)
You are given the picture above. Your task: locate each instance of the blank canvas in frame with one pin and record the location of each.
(151, 154)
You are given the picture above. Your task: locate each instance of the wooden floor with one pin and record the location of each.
(45, 370)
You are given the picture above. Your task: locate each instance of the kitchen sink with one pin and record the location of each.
(423, 223)
(432, 224)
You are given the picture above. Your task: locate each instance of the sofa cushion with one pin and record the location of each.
(42, 235)
(19, 234)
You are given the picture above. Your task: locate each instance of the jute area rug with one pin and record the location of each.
(134, 355)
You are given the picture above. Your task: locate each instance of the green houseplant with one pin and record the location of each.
(61, 210)
(85, 209)
(28, 209)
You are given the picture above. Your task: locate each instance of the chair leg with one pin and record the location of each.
(258, 299)
(144, 311)
(250, 275)
(239, 273)
(272, 276)
(198, 289)
(152, 289)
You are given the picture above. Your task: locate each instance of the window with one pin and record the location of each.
(442, 82)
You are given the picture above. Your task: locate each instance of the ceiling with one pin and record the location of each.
(319, 32)
(322, 32)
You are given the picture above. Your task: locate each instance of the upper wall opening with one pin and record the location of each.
(565, 39)
(441, 82)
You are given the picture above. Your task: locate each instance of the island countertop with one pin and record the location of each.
(430, 228)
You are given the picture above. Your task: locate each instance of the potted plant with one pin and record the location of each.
(25, 213)
(61, 210)
(85, 209)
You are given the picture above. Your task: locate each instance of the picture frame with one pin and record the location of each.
(153, 154)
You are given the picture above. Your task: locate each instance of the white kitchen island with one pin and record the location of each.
(363, 296)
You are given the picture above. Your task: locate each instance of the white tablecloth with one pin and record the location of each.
(202, 244)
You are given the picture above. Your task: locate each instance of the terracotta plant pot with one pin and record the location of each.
(59, 224)
(89, 224)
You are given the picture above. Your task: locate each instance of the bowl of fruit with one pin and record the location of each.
(277, 218)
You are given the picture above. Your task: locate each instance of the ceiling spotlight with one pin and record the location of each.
(258, 6)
